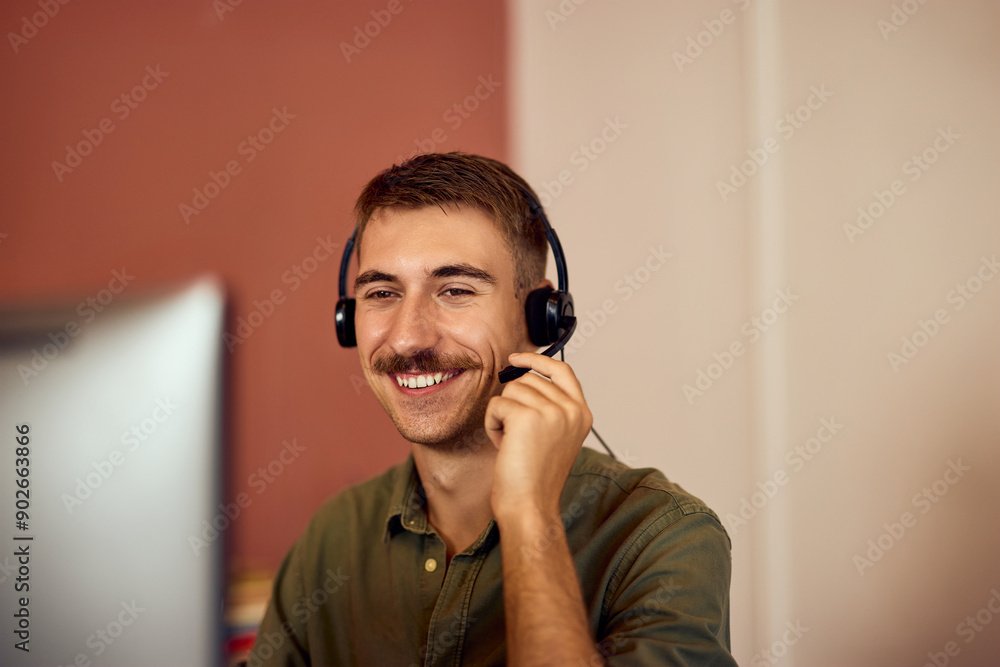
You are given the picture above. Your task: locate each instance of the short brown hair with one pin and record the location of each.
(435, 179)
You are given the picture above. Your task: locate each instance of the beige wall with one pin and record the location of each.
(886, 82)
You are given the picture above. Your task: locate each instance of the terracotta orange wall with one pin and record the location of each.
(223, 75)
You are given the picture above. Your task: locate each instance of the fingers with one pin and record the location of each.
(561, 402)
(522, 398)
(560, 373)
(536, 385)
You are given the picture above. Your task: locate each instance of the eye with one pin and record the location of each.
(379, 294)
(457, 292)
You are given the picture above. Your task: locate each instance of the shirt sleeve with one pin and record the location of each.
(671, 604)
(282, 638)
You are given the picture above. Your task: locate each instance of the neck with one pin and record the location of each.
(458, 483)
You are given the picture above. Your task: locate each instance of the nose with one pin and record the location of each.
(413, 327)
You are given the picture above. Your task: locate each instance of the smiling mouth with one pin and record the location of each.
(415, 381)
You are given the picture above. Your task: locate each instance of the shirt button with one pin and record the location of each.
(430, 565)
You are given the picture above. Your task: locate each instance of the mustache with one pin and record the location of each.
(424, 361)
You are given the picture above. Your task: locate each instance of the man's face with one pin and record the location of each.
(436, 317)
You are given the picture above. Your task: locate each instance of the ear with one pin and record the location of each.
(545, 282)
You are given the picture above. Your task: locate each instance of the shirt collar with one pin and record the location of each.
(408, 504)
(408, 509)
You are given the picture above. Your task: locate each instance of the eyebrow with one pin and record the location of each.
(464, 271)
(446, 271)
(373, 277)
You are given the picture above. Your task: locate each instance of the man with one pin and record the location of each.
(500, 540)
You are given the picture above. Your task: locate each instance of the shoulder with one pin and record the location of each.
(644, 490)
(359, 509)
(655, 561)
(641, 517)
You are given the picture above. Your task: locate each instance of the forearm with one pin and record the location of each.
(545, 616)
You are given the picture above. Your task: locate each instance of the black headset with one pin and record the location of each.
(549, 312)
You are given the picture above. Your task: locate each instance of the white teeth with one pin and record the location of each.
(421, 381)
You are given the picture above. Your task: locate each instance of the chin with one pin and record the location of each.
(455, 433)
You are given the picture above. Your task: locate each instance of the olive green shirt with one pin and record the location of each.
(367, 583)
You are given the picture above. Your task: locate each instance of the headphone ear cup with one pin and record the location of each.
(559, 304)
(536, 312)
(344, 321)
(544, 310)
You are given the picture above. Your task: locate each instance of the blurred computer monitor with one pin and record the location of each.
(112, 560)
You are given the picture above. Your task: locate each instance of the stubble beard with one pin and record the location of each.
(460, 431)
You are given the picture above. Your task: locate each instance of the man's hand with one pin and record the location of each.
(538, 425)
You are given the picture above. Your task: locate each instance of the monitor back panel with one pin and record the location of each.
(106, 555)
